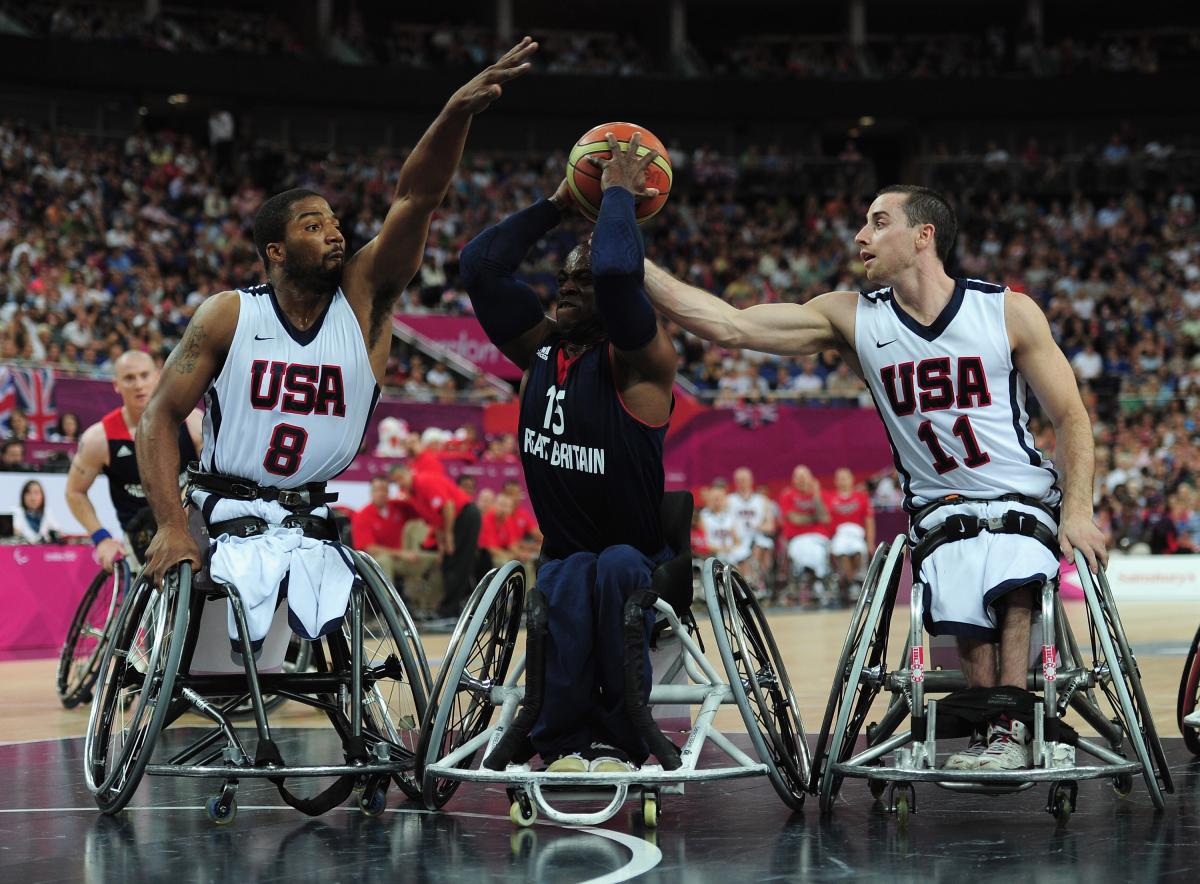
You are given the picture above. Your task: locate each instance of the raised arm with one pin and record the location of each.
(194, 362)
(1046, 370)
(784, 329)
(381, 269)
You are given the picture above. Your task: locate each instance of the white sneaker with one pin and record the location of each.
(968, 758)
(1007, 747)
(609, 764)
(1192, 720)
(573, 763)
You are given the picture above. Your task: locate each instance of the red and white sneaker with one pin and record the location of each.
(1007, 746)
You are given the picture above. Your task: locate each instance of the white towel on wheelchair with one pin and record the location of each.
(319, 573)
(965, 578)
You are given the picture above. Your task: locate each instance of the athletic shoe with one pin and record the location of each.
(1007, 747)
(968, 758)
(572, 763)
(609, 764)
(1192, 720)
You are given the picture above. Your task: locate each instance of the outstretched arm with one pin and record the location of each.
(1046, 370)
(380, 270)
(194, 362)
(784, 329)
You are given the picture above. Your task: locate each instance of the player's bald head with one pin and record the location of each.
(132, 360)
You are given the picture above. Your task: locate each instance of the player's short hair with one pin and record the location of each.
(270, 223)
(926, 206)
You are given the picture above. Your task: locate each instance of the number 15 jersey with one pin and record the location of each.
(289, 407)
(951, 399)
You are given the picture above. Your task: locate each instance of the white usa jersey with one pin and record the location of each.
(289, 407)
(751, 511)
(951, 400)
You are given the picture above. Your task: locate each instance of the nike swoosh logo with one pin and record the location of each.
(885, 343)
(258, 338)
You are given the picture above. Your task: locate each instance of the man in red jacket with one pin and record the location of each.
(455, 522)
(378, 530)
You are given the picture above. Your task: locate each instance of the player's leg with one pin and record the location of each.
(562, 731)
(1008, 739)
(620, 572)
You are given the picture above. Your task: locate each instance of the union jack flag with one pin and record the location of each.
(754, 416)
(8, 398)
(35, 391)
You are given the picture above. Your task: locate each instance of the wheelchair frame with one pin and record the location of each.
(476, 675)
(1066, 679)
(146, 687)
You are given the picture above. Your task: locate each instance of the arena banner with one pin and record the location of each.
(462, 335)
(1153, 578)
(42, 586)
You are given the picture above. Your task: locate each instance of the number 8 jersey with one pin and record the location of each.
(289, 407)
(951, 399)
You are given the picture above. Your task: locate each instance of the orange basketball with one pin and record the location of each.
(584, 179)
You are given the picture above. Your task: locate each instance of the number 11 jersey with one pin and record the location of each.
(289, 407)
(951, 399)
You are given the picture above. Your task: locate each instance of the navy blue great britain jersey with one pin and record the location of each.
(594, 471)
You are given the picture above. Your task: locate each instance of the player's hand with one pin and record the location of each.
(1081, 533)
(562, 199)
(106, 552)
(625, 168)
(485, 87)
(171, 545)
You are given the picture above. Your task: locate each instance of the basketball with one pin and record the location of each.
(584, 179)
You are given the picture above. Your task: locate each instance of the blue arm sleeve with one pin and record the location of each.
(617, 256)
(505, 307)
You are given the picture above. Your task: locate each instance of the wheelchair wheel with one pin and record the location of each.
(396, 689)
(137, 678)
(477, 659)
(79, 662)
(758, 680)
(1124, 685)
(1189, 691)
(851, 696)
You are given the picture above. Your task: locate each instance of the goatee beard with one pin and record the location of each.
(319, 279)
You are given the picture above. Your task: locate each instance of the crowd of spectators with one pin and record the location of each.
(110, 245)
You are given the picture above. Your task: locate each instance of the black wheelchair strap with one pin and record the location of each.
(251, 526)
(964, 527)
(325, 801)
(957, 499)
(663, 749)
(313, 494)
(514, 744)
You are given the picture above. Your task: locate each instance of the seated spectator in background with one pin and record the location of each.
(806, 531)
(463, 445)
(852, 521)
(12, 456)
(18, 425)
(502, 449)
(379, 530)
(66, 430)
(523, 518)
(722, 527)
(503, 536)
(756, 522)
(32, 523)
(392, 435)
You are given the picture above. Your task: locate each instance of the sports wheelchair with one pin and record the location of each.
(169, 654)
(1103, 687)
(477, 677)
(1189, 694)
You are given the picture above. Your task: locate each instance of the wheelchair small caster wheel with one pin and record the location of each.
(1123, 784)
(522, 811)
(1062, 801)
(373, 802)
(222, 809)
(650, 811)
(902, 809)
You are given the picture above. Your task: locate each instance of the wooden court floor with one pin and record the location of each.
(1159, 632)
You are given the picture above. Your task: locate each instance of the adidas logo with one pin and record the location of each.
(544, 352)
(124, 451)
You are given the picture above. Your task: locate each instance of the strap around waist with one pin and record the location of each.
(964, 527)
(306, 497)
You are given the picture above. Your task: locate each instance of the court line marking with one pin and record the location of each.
(644, 856)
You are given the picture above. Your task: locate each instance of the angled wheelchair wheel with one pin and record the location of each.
(137, 679)
(1189, 692)
(865, 649)
(477, 659)
(758, 680)
(396, 686)
(1122, 685)
(83, 650)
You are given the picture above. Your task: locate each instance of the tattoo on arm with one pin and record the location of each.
(184, 358)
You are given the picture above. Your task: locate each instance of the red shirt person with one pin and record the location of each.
(455, 521)
(851, 517)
